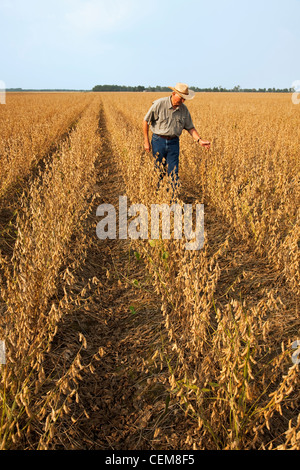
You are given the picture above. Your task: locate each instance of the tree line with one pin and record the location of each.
(237, 88)
(141, 88)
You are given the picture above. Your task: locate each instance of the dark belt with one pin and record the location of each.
(167, 137)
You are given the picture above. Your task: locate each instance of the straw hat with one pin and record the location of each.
(183, 90)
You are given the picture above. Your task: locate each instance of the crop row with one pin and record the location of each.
(36, 289)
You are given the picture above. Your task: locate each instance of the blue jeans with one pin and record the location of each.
(166, 153)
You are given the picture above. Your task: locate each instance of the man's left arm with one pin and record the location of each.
(189, 126)
(204, 143)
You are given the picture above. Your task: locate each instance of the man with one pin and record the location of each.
(167, 118)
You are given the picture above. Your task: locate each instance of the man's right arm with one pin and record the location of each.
(150, 118)
(146, 136)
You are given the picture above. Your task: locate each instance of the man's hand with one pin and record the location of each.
(146, 136)
(204, 143)
(197, 138)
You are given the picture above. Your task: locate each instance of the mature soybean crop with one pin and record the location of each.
(229, 312)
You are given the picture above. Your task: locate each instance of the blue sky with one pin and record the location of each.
(82, 43)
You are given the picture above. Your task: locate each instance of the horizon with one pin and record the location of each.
(150, 89)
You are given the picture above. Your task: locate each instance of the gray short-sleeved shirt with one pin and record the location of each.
(164, 120)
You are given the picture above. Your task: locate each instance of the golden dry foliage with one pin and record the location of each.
(37, 289)
(231, 309)
(30, 125)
